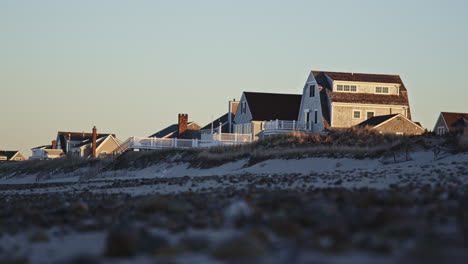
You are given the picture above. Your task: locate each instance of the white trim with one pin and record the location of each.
(360, 113)
(336, 88)
(12, 157)
(369, 105)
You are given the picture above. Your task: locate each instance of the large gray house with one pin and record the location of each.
(329, 100)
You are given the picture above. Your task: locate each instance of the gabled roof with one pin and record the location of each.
(172, 130)
(63, 136)
(323, 80)
(9, 154)
(272, 106)
(88, 141)
(380, 120)
(222, 119)
(452, 119)
(363, 77)
(43, 147)
(376, 120)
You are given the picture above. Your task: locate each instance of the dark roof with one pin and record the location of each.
(43, 146)
(174, 130)
(376, 120)
(271, 106)
(222, 119)
(452, 119)
(89, 141)
(166, 131)
(75, 136)
(8, 154)
(363, 77)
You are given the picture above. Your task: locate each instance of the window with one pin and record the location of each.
(346, 88)
(315, 116)
(370, 114)
(306, 117)
(381, 90)
(440, 131)
(312, 90)
(356, 114)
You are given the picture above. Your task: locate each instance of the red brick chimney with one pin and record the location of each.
(54, 144)
(183, 122)
(93, 145)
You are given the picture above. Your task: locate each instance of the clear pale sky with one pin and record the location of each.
(129, 67)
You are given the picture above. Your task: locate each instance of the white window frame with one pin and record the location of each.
(360, 114)
(349, 91)
(440, 130)
(315, 116)
(382, 90)
(367, 112)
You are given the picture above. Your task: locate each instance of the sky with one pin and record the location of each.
(129, 67)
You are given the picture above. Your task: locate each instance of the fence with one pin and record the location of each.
(228, 137)
(161, 143)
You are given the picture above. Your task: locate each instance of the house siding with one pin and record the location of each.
(393, 89)
(400, 125)
(440, 123)
(311, 104)
(342, 115)
(243, 118)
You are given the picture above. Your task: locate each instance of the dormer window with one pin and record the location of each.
(381, 90)
(346, 88)
(312, 90)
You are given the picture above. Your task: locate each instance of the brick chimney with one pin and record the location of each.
(183, 122)
(93, 145)
(54, 144)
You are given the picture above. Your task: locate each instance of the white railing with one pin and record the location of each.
(228, 137)
(286, 125)
(161, 143)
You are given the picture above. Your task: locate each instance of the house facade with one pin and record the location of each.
(344, 100)
(103, 147)
(255, 109)
(451, 122)
(6, 155)
(396, 124)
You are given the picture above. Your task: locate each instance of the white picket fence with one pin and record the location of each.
(162, 143)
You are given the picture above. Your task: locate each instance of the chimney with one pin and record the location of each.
(93, 145)
(54, 144)
(183, 121)
(232, 109)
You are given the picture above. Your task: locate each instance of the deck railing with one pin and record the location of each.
(162, 143)
(286, 125)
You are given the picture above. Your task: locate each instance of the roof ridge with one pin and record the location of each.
(273, 93)
(386, 74)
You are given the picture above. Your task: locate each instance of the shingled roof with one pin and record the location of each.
(362, 77)
(376, 120)
(272, 106)
(453, 118)
(323, 80)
